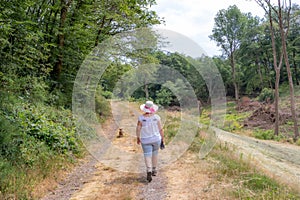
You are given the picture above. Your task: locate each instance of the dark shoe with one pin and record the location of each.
(154, 173)
(149, 177)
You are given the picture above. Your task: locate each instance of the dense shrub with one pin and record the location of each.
(25, 123)
(266, 94)
(34, 139)
(102, 107)
(164, 97)
(264, 134)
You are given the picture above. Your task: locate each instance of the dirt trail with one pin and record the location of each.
(282, 161)
(109, 182)
(187, 178)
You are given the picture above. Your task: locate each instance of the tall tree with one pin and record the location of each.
(281, 14)
(228, 32)
(249, 55)
(65, 6)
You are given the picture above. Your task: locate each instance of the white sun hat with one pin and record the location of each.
(149, 107)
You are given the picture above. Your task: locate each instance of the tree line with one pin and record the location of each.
(262, 53)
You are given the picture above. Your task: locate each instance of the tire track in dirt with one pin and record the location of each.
(281, 161)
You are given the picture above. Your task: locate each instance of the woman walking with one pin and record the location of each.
(150, 134)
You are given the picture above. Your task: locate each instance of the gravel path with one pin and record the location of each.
(75, 180)
(154, 190)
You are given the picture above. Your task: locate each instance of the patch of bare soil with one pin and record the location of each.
(263, 114)
(264, 117)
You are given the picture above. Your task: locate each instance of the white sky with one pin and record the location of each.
(195, 18)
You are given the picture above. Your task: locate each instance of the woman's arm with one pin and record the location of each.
(138, 132)
(161, 131)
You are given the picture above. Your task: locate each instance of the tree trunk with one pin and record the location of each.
(276, 128)
(61, 39)
(288, 68)
(146, 91)
(295, 66)
(100, 31)
(259, 72)
(236, 90)
(277, 68)
(292, 98)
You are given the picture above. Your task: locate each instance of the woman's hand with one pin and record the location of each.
(162, 145)
(138, 140)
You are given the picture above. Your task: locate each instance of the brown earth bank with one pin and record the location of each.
(263, 114)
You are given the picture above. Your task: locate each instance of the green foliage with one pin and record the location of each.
(164, 97)
(112, 74)
(232, 124)
(10, 138)
(229, 164)
(102, 106)
(298, 142)
(225, 71)
(196, 144)
(56, 129)
(34, 142)
(264, 134)
(33, 89)
(52, 127)
(234, 120)
(266, 94)
(59, 98)
(107, 94)
(205, 116)
(259, 182)
(171, 127)
(186, 66)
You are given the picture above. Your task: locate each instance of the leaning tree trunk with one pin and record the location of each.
(292, 98)
(100, 30)
(288, 68)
